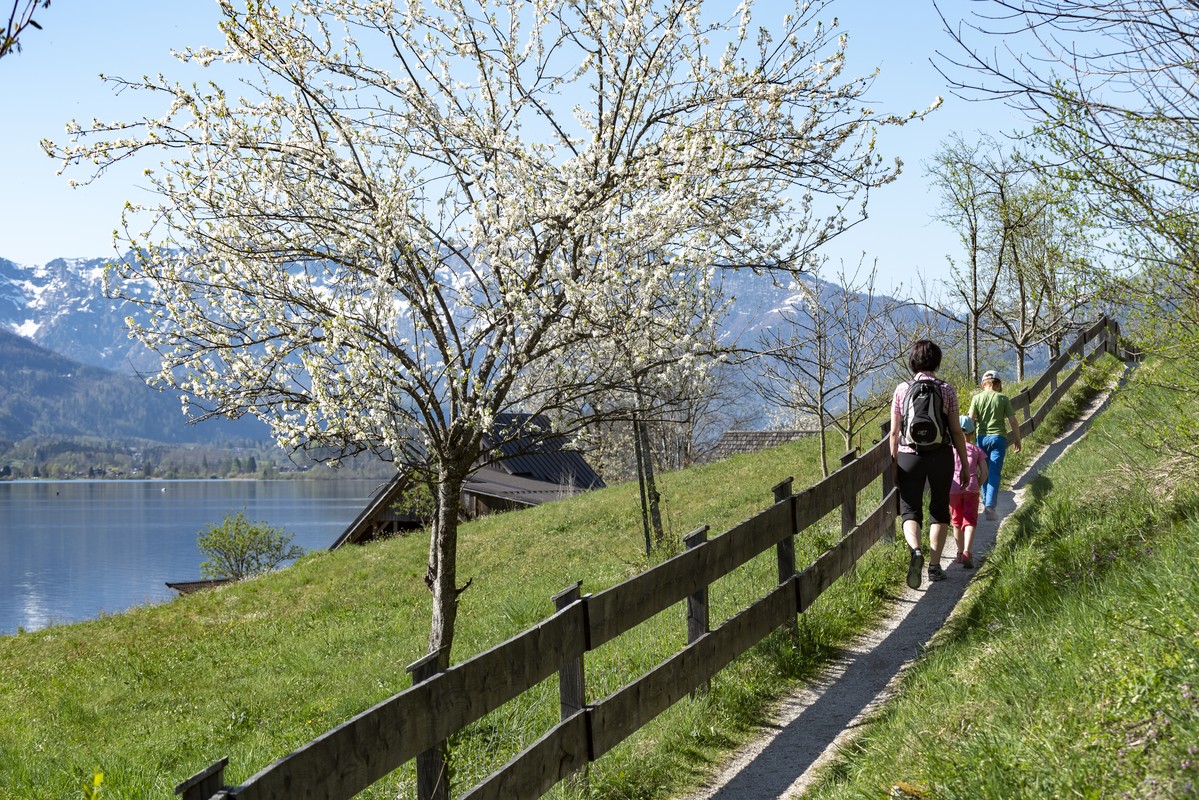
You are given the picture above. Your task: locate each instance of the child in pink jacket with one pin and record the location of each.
(963, 501)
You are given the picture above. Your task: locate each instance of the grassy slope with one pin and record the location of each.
(251, 671)
(1072, 669)
(254, 670)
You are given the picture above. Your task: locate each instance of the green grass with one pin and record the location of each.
(1072, 668)
(256, 669)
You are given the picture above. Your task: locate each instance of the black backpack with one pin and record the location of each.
(923, 424)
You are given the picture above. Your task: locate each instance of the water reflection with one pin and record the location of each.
(73, 550)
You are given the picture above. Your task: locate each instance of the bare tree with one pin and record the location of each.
(1049, 278)
(983, 201)
(831, 344)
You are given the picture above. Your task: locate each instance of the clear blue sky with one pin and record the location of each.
(55, 80)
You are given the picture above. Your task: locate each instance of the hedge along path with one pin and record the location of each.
(812, 725)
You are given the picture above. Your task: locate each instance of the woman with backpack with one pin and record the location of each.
(924, 427)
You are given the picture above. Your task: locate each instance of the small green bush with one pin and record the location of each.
(240, 549)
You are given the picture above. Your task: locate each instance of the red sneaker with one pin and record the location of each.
(966, 560)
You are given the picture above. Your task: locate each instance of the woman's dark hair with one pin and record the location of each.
(926, 356)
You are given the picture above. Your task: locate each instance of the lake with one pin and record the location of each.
(73, 550)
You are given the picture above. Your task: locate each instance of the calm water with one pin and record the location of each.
(72, 550)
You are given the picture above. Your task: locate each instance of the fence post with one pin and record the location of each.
(571, 696)
(698, 616)
(572, 693)
(849, 509)
(206, 784)
(786, 546)
(432, 777)
(889, 481)
(785, 550)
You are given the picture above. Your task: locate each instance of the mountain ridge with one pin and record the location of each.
(43, 393)
(61, 306)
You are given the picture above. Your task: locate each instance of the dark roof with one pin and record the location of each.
(735, 442)
(531, 467)
(528, 449)
(488, 482)
(363, 524)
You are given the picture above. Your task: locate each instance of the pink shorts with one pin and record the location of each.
(963, 509)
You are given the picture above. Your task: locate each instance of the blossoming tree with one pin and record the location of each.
(410, 217)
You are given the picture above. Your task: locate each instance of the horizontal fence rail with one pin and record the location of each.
(416, 723)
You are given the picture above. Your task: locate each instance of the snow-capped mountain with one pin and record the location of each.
(61, 306)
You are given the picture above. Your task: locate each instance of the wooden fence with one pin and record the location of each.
(415, 723)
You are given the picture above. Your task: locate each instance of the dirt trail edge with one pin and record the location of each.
(810, 726)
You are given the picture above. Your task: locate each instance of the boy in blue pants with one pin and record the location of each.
(991, 409)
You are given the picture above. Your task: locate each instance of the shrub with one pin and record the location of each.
(239, 549)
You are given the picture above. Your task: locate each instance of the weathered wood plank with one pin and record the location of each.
(628, 604)
(1057, 367)
(1096, 354)
(557, 755)
(874, 527)
(837, 560)
(205, 784)
(816, 502)
(1052, 400)
(874, 460)
(1022, 401)
(1055, 397)
(628, 709)
(355, 754)
(1076, 348)
(821, 499)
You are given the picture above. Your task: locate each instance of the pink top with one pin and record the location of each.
(949, 400)
(975, 454)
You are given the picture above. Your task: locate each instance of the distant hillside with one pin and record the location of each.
(61, 306)
(45, 394)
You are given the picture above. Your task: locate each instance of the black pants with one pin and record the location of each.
(934, 467)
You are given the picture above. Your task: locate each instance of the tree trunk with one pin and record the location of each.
(651, 488)
(637, 450)
(975, 373)
(442, 575)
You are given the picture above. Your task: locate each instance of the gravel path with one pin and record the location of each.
(811, 725)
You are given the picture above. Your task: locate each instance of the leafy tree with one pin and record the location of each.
(1112, 86)
(237, 548)
(409, 218)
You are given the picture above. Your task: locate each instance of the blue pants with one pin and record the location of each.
(996, 448)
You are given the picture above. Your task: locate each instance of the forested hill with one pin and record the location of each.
(42, 393)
